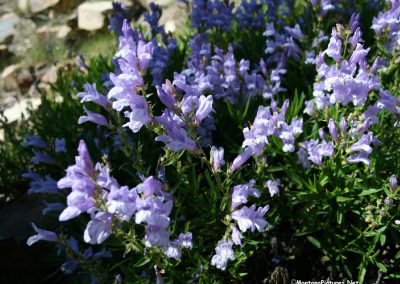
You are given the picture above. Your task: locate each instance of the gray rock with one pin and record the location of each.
(51, 75)
(173, 18)
(35, 6)
(8, 24)
(9, 77)
(91, 15)
(24, 79)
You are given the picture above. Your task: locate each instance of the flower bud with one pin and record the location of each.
(388, 202)
(393, 183)
(217, 157)
(333, 130)
(343, 125)
(321, 133)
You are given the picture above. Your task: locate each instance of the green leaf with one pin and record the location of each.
(343, 199)
(339, 217)
(381, 266)
(142, 263)
(361, 274)
(382, 238)
(369, 191)
(314, 241)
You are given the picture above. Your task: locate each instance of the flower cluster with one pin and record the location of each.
(246, 218)
(96, 192)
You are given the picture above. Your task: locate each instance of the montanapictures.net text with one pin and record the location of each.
(294, 281)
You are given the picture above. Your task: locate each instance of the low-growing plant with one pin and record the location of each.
(261, 145)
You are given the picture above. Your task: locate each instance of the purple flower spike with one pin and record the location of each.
(335, 46)
(177, 137)
(42, 235)
(80, 179)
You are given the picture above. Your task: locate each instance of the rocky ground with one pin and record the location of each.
(38, 37)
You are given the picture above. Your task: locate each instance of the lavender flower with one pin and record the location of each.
(41, 157)
(60, 145)
(224, 252)
(204, 108)
(54, 206)
(34, 141)
(185, 240)
(250, 218)
(122, 202)
(335, 46)
(42, 235)
(217, 158)
(92, 95)
(315, 151)
(333, 130)
(236, 236)
(240, 193)
(99, 227)
(134, 58)
(273, 186)
(240, 160)
(164, 93)
(93, 117)
(177, 137)
(80, 179)
(393, 183)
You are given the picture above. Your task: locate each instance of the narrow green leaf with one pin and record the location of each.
(382, 238)
(314, 241)
(343, 199)
(370, 191)
(361, 274)
(381, 266)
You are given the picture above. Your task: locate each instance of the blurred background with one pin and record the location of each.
(38, 37)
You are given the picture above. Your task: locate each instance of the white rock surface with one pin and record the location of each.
(36, 6)
(21, 108)
(60, 31)
(8, 23)
(161, 3)
(91, 15)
